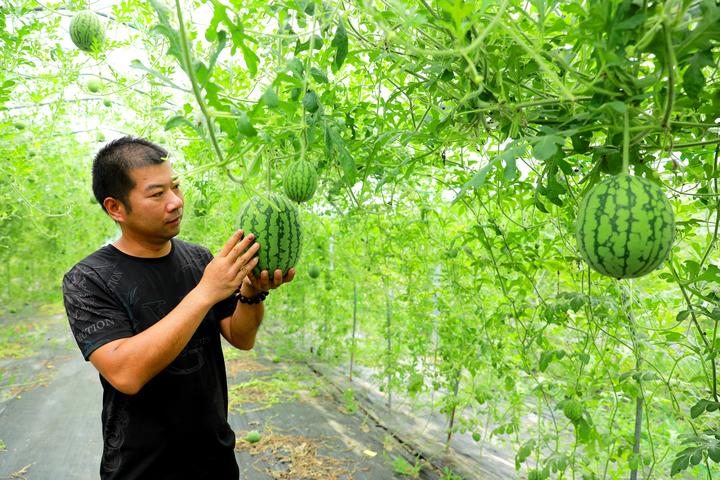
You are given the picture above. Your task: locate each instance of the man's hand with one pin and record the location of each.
(226, 272)
(253, 285)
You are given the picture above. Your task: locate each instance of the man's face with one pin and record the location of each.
(156, 203)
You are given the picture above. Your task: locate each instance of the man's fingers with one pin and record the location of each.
(231, 242)
(290, 275)
(246, 269)
(243, 259)
(240, 247)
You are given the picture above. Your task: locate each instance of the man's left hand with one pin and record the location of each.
(253, 285)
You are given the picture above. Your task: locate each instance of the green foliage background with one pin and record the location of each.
(454, 140)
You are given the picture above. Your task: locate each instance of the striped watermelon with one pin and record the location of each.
(275, 222)
(625, 227)
(314, 271)
(300, 181)
(86, 30)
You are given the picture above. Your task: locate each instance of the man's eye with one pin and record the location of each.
(158, 194)
(176, 186)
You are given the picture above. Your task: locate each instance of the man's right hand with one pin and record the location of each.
(226, 272)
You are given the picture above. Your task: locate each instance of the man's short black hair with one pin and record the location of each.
(112, 165)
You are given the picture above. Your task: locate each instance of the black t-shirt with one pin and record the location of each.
(176, 427)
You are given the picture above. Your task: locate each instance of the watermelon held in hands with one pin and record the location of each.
(275, 222)
(86, 31)
(625, 227)
(300, 181)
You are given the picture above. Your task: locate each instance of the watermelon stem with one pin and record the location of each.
(671, 76)
(308, 64)
(626, 142)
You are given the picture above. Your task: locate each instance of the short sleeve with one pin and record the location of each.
(95, 315)
(225, 308)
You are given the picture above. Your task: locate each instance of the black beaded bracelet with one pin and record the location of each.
(251, 300)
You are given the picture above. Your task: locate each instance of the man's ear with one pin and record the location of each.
(115, 208)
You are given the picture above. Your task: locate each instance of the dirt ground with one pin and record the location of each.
(50, 402)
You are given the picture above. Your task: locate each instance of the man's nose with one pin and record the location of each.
(176, 201)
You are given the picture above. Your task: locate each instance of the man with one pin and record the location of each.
(148, 311)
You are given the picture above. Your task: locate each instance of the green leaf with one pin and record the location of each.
(698, 409)
(176, 121)
(714, 454)
(139, 65)
(174, 39)
(218, 47)
(680, 464)
(317, 44)
(547, 146)
(335, 142)
(696, 457)
(619, 107)
(296, 67)
(318, 75)
(511, 169)
(545, 359)
(251, 59)
(244, 125)
(340, 44)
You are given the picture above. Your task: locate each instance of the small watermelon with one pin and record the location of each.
(86, 31)
(572, 409)
(94, 85)
(275, 222)
(625, 227)
(19, 125)
(314, 271)
(253, 436)
(311, 102)
(300, 181)
(107, 102)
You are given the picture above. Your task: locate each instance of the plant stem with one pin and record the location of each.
(626, 142)
(702, 334)
(456, 389)
(354, 330)
(196, 89)
(389, 343)
(638, 363)
(671, 76)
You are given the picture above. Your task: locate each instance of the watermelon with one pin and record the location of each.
(625, 227)
(311, 102)
(107, 102)
(275, 222)
(300, 181)
(253, 436)
(314, 271)
(86, 31)
(94, 85)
